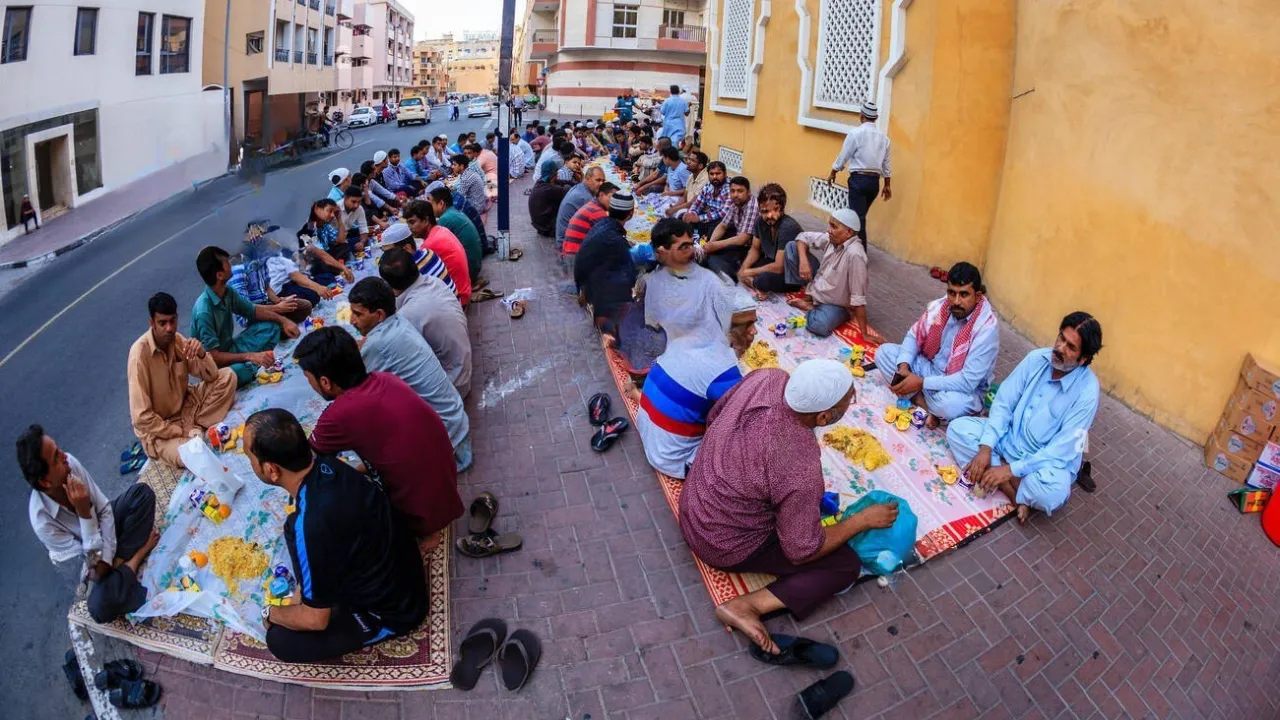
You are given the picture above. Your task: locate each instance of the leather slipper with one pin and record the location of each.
(477, 650)
(135, 694)
(598, 408)
(483, 510)
(488, 544)
(608, 433)
(518, 658)
(116, 672)
(798, 652)
(517, 310)
(823, 695)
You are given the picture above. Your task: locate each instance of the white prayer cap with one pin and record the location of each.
(742, 300)
(847, 218)
(396, 233)
(869, 110)
(442, 136)
(434, 184)
(337, 175)
(817, 385)
(379, 157)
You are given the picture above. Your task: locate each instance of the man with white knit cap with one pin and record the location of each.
(865, 153)
(835, 271)
(751, 501)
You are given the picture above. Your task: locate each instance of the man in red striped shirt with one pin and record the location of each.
(586, 217)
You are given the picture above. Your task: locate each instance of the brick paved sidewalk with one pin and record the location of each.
(1151, 598)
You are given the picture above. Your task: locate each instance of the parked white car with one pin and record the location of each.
(413, 109)
(362, 117)
(479, 107)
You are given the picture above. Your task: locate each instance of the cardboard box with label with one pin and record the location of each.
(1217, 458)
(1242, 446)
(1250, 413)
(1261, 376)
(1264, 476)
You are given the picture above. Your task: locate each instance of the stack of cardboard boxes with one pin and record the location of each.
(1245, 446)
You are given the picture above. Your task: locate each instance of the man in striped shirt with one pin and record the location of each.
(586, 217)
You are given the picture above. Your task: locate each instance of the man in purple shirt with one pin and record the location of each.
(751, 501)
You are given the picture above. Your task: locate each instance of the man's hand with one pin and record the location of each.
(286, 305)
(690, 218)
(346, 273)
(806, 272)
(880, 515)
(886, 193)
(191, 350)
(290, 329)
(99, 571)
(977, 467)
(78, 496)
(327, 292)
(745, 276)
(996, 476)
(831, 179)
(265, 358)
(908, 386)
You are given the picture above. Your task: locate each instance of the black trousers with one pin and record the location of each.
(348, 631)
(863, 190)
(119, 592)
(728, 261)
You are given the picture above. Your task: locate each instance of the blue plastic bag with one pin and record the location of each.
(884, 550)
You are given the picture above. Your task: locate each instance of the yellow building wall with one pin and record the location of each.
(1140, 184)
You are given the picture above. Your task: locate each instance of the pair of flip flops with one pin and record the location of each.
(482, 541)
(122, 680)
(133, 459)
(823, 695)
(610, 429)
(486, 641)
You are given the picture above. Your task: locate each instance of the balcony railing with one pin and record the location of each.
(545, 36)
(692, 33)
(297, 56)
(328, 60)
(282, 55)
(330, 8)
(313, 59)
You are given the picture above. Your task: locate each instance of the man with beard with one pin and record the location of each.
(708, 207)
(1032, 444)
(763, 269)
(752, 499)
(948, 358)
(730, 241)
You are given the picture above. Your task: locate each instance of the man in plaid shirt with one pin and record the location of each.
(731, 239)
(470, 182)
(710, 203)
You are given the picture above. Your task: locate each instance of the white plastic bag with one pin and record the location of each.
(207, 466)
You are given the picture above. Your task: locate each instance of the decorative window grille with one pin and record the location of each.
(848, 42)
(732, 160)
(735, 48)
(827, 196)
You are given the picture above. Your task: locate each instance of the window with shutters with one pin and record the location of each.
(848, 45)
(735, 48)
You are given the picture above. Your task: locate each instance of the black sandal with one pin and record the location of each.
(71, 668)
(483, 510)
(133, 694)
(518, 658)
(798, 652)
(116, 672)
(488, 544)
(823, 695)
(598, 408)
(477, 650)
(608, 433)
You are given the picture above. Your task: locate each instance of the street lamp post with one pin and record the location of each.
(504, 124)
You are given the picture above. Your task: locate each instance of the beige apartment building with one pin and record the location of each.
(430, 79)
(585, 53)
(471, 63)
(385, 43)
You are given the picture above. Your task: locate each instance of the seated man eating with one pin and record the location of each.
(752, 500)
(360, 577)
(948, 358)
(1032, 444)
(836, 272)
(212, 323)
(729, 242)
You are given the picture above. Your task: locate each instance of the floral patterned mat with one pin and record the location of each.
(949, 515)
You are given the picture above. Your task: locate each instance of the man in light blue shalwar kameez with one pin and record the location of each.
(1032, 445)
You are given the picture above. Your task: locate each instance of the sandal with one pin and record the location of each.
(116, 673)
(598, 408)
(518, 658)
(798, 652)
(135, 694)
(71, 668)
(480, 284)
(488, 544)
(515, 254)
(608, 433)
(483, 510)
(517, 310)
(133, 464)
(823, 695)
(477, 650)
(484, 294)
(133, 451)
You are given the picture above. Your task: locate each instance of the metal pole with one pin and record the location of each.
(504, 120)
(226, 91)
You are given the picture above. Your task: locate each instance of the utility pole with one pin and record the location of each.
(226, 92)
(504, 125)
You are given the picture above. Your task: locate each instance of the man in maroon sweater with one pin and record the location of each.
(402, 441)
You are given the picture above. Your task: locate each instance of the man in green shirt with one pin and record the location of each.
(213, 325)
(458, 224)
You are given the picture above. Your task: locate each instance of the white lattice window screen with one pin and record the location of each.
(827, 196)
(735, 48)
(732, 160)
(848, 41)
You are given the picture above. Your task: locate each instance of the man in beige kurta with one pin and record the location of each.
(835, 272)
(166, 410)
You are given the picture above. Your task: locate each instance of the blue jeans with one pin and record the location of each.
(462, 454)
(823, 319)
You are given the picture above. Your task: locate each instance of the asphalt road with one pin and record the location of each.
(77, 316)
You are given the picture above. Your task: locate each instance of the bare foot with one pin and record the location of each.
(741, 616)
(631, 392)
(608, 340)
(1023, 513)
(931, 421)
(429, 543)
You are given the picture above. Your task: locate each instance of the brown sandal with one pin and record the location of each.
(517, 309)
(488, 544)
(515, 254)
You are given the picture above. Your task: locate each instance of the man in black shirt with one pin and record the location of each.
(764, 268)
(358, 573)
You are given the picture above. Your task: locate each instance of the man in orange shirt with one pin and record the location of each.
(437, 238)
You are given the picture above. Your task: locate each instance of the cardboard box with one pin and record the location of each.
(1261, 376)
(1250, 413)
(1270, 455)
(1217, 458)
(1263, 476)
(1244, 447)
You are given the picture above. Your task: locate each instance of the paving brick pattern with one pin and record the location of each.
(1151, 598)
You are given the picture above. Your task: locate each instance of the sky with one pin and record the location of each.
(433, 18)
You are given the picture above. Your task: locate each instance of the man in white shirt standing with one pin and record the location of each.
(865, 154)
(73, 519)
